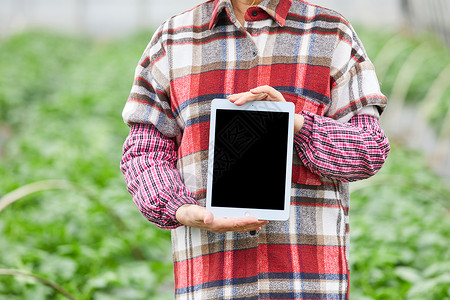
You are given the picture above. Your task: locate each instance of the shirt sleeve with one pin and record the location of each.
(149, 99)
(347, 143)
(149, 166)
(347, 152)
(353, 82)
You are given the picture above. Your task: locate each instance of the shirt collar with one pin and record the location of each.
(277, 9)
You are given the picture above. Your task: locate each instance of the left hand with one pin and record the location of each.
(198, 217)
(265, 93)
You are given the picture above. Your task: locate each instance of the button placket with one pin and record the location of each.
(250, 44)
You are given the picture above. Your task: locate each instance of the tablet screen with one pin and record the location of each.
(250, 159)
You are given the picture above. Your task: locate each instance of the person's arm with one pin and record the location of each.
(149, 166)
(149, 157)
(346, 152)
(343, 151)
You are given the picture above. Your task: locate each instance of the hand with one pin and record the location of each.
(198, 217)
(266, 93)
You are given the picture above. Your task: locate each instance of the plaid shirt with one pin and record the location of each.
(314, 58)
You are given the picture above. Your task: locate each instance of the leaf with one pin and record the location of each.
(408, 274)
(38, 278)
(101, 281)
(428, 285)
(437, 269)
(60, 267)
(33, 188)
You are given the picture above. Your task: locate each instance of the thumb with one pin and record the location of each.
(208, 217)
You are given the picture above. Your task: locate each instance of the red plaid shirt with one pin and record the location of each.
(314, 58)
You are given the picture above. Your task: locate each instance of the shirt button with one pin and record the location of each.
(254, 13)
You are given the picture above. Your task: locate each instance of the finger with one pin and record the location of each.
(237, 224)
(240, 99)
(246, 95)
(239, 227)
(272, 94)
(235, 229)
(235, 97)
(264, 89)
(249, 222)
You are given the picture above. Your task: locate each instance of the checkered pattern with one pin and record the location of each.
(314, 58)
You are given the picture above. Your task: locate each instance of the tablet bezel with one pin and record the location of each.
(237, 212)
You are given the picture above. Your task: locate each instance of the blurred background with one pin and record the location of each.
(112, 18)
(68, 228)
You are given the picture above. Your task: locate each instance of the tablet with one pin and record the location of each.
(250, 159)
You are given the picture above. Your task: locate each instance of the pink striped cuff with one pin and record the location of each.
(346, 152)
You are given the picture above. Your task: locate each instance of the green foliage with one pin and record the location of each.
(430, 57)
(61, 100)
(60, 118)
(400, 228)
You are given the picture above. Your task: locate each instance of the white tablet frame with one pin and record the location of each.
(262, 214)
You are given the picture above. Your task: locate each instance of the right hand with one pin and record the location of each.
(198, 217)
(266, 93)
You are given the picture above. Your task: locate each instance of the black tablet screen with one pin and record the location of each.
(250, 154)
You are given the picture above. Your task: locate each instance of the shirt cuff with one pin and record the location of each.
(172, 208)
(305, 133)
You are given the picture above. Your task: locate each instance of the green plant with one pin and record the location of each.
(66, 218)
(408, 67)
(61, 100)
(400, 228)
